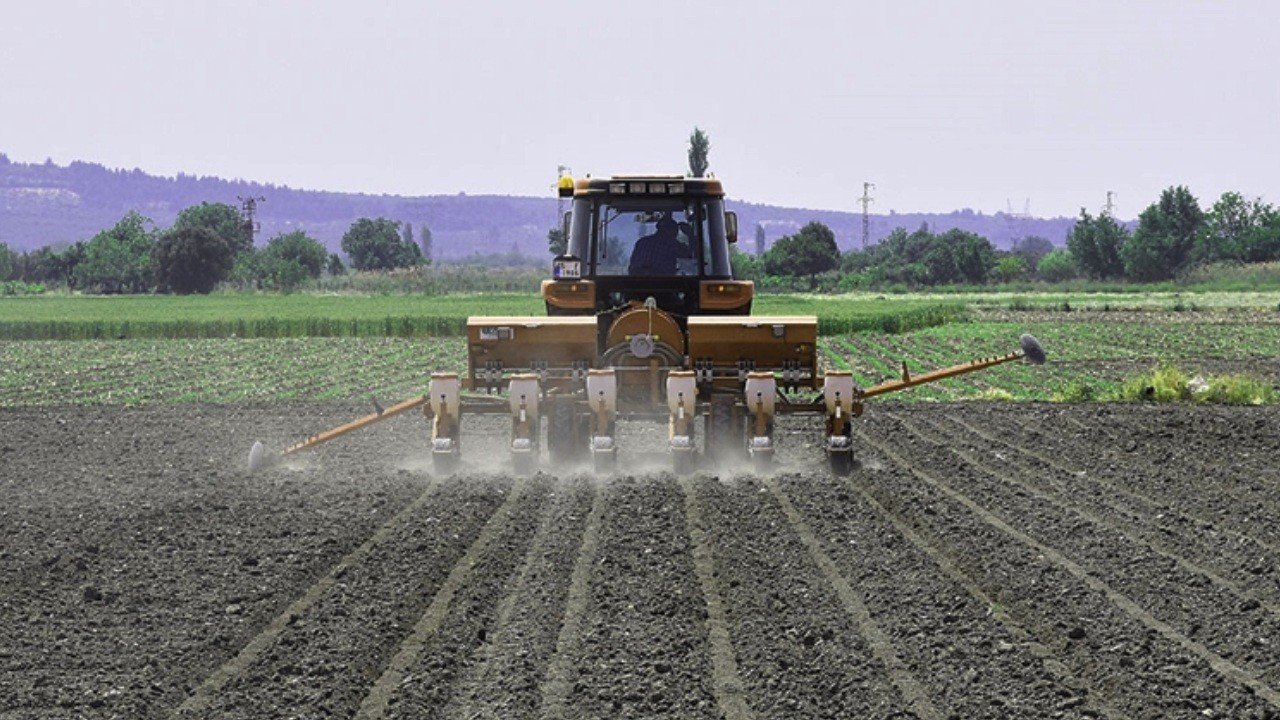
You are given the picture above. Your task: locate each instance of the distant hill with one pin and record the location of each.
(48, 204)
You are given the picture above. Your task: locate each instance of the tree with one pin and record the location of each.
(62, 266)
(759, 240)
(375, 244)
(939, 260)
(426, 245)
(118, 260)
(1095, 245)
(744, 266)
(810, 252)
(1162, 245)
(1057, 266)
(1262, 242)
(1239, 230)
(222, 220)
(408, 233)
(36, 266)
(6, 262)
(191, 260)
(973, 255)
(699, 147)
(335, 266)
(557, 243)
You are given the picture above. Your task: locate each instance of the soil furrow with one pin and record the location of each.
(913, 693)
(435, 680)
(800, 653)
(725, 677)
(200, 699)
(1178, 593)
(981, 660)
(375, 704)
(557, 683)
(1152, 664)
(1246, 504)
(1229, 559)
(502, 680)
(643, 650)
(329, 655)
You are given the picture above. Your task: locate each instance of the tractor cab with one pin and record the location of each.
(635, 237)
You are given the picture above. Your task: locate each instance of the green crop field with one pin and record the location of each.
(68, 317)
(1136, 299)
(247, 315)
(1098, 350)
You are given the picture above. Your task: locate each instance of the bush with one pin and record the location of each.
(1169, 384)
(1057, 266)
(1009, 268)
(17, 287)
(1076, 391)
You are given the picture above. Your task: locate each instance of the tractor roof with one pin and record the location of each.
(637, 184)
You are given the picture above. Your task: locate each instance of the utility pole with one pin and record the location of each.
(561, 171)
(866, 201)
(1110, 207)
(249, 208)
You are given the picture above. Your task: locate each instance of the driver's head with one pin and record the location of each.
(667, 226)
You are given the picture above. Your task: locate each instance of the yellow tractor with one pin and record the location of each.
(645, 321)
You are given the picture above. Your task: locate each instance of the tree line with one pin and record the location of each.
(210, 243)
(1172, 235)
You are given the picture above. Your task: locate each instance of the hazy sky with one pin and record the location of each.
(943, 105)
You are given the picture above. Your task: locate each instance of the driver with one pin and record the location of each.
(656, 255)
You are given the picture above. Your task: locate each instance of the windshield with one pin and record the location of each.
(649, 237)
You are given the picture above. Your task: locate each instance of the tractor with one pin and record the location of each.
(645, 321)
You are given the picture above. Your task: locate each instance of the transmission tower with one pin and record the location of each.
(1013, 221)
(1026, 209)
(866, 201)
(249, 208)
(1110, 207)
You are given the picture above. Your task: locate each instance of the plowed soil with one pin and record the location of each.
(984, 561)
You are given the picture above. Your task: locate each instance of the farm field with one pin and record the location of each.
(248, 315)
(1096, 348)
(985, 561)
